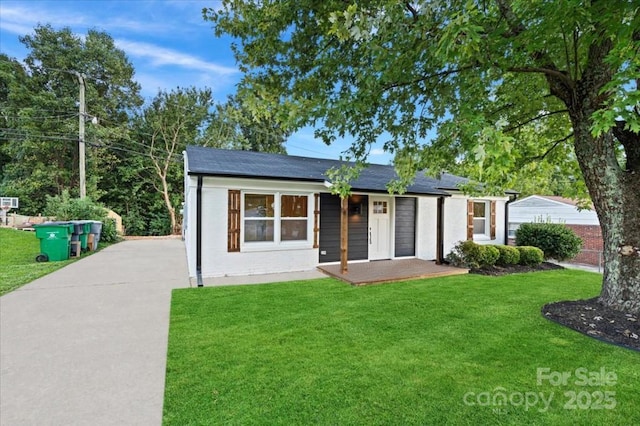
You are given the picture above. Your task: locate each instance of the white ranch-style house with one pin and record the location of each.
(251, 213)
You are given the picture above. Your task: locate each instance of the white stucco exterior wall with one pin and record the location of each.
(218, 262)
(455, 221)
(426, 228)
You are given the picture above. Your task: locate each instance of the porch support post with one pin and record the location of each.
(440, 231)
(199, 232)
(344, 233)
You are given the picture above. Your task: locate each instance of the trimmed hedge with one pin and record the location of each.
(555, 239)
(508, 255)
(530, 256)
(467, 254)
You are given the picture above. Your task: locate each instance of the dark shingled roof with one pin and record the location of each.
(261, 165)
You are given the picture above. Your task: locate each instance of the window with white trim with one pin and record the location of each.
(480, 218)
(259, 217)
(275, 218)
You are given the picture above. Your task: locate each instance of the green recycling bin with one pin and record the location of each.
(54, 241)
(82, 229)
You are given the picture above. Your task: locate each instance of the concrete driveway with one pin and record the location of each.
(86, 345)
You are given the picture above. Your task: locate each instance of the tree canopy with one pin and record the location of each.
(40, 111)
(489, 87)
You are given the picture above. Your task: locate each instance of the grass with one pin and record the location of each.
(18, 251)
(322, 352)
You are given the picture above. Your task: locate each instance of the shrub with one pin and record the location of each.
(64, 208)
(530, 256)
(489, 255)
(556, 240)
(508, 255)
(109, 234)
(471, 255)
(462, 254)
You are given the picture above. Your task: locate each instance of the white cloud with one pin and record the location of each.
(160, 56)
(378, 151)
(22, 20)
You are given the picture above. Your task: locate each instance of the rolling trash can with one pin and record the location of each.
(54, 239)
(96, 231)
(82, 228)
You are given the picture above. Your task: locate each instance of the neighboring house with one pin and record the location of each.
(543, 208)
(254, 213)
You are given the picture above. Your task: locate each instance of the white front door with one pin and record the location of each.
(379, 229)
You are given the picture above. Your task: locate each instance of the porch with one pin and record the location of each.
(383, 271)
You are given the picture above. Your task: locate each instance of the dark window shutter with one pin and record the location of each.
(492, 214)
(316, 219)
(233, 226)
(469, 219)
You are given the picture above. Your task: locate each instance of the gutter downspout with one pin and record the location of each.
(440, 231)
(506, 218)
(199, 232)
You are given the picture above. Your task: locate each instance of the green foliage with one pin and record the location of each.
(109, 234)
(489, 255)
(530, 256)
(478, 74)
(471, 255)
(556, 240)
(508, 255)
(233, 126)
(39, 109)
(63, 208)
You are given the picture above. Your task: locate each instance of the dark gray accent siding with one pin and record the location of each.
(405, 238)
(330, 228)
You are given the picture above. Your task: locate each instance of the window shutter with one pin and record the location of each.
(316, 220)
(469, 219)
(233, 226)
(492, 214)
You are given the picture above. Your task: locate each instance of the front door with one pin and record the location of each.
(379, 229)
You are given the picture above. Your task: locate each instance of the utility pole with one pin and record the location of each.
(81, 146)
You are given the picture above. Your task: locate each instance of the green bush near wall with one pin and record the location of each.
(467, 254)
(556, 240)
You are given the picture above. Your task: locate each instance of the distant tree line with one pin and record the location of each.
(133, 149)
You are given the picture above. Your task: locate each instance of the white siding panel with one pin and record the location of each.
(455, 222)
(427, 224)
(534, 209)
(189, 230)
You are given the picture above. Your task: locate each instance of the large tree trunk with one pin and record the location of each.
(614, 187)
(615, 192)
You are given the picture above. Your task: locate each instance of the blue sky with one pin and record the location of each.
(167, 41)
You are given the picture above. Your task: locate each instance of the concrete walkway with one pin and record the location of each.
(86, 345)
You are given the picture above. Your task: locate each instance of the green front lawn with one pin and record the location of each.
(437, 351)
(18, 266)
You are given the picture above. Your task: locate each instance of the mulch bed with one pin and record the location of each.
(596, 320)
(514, 269)
(588, 317)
